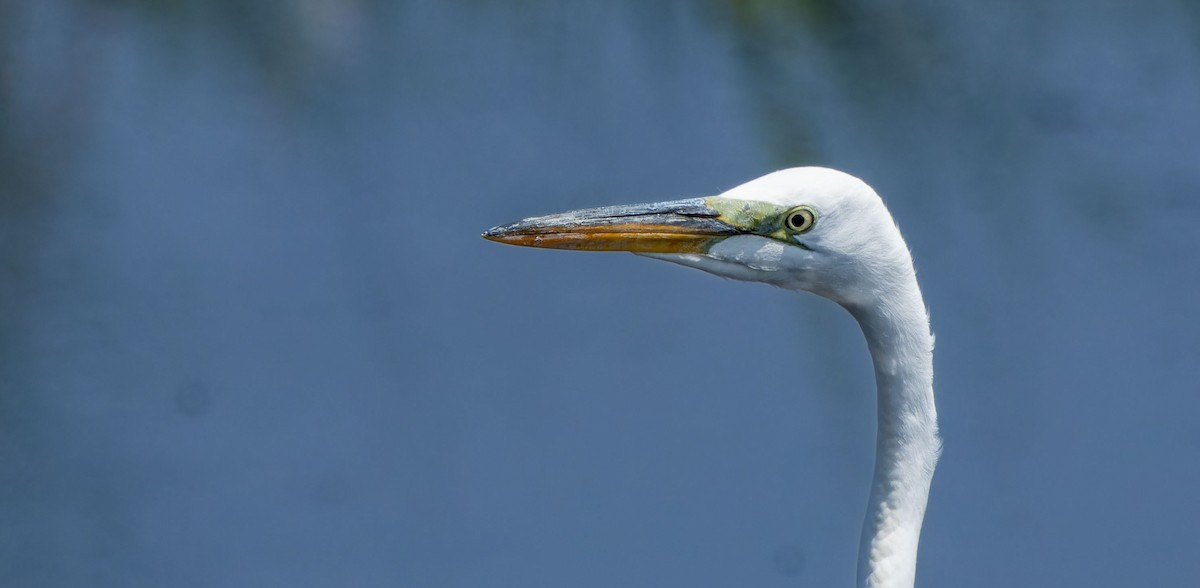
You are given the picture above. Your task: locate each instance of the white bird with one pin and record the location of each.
(821, 231)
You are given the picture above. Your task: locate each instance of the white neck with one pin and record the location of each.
(907, 445)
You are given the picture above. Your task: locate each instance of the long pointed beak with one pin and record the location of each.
(678, 226)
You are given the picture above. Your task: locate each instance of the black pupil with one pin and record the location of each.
(797, 221)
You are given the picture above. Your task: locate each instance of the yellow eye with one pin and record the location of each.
(799, 220)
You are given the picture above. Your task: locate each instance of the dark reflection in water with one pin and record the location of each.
(250, 335)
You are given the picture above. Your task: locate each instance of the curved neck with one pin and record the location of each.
(907, 445)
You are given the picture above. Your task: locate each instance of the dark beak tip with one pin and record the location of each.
(495, 232)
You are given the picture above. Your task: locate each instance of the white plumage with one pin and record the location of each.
(821, 231)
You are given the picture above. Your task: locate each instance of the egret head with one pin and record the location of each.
(806, 228)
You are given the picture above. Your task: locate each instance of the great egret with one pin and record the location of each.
(822, 231)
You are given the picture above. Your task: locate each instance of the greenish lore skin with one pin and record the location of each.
(760, 218)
